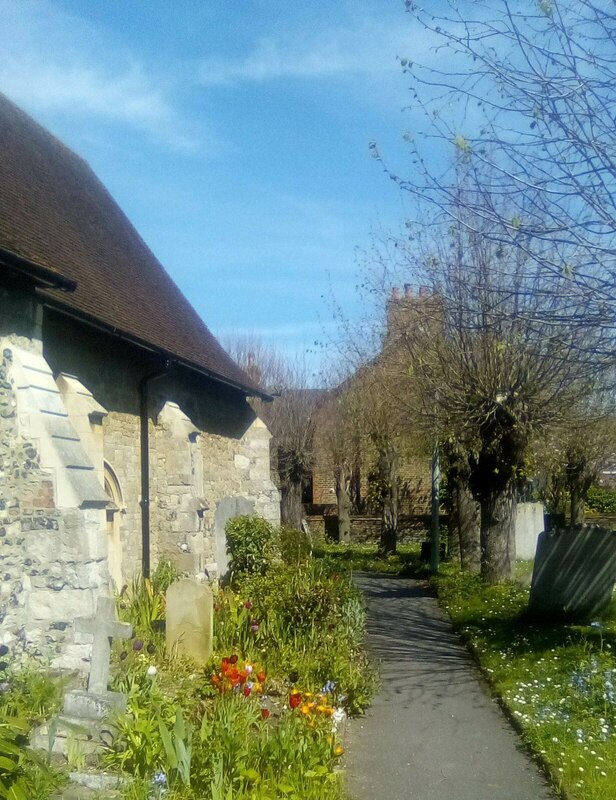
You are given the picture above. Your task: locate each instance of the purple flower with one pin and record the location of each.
(137, 645)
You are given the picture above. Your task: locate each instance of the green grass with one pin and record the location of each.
(366, 558)
(557, 681)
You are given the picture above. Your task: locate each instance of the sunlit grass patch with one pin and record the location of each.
(367, 558)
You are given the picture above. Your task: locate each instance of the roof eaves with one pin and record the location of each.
(42, 276)
(246, 389)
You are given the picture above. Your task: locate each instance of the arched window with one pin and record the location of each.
(114, 518)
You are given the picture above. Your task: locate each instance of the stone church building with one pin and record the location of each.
(125, 432)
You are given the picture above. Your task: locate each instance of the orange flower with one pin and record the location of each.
(261, 676)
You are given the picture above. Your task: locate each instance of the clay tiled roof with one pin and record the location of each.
(57, 215)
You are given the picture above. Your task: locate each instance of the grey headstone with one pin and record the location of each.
(574, 572)
(228, 508)
(190, 619)
(103, 627)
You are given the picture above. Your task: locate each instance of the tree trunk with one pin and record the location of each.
(469, 530)
(291, 503)
(578, 506)
(388, 463)
(343, 497)
(498, 535)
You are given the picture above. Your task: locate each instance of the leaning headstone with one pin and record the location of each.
(574, 572)
(190, 620)
(84, 711)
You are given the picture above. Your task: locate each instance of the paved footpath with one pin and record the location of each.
(433, 732)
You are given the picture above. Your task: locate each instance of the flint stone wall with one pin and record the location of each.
(52, 564)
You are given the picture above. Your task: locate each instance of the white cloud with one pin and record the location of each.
(367, 48)
(51, 61)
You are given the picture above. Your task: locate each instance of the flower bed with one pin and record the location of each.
(265, 718)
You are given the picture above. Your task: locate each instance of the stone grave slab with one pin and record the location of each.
(190, 620)
(574, 573)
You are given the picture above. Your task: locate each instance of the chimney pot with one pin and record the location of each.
(424, 291)
(408, 290)
(395, 293)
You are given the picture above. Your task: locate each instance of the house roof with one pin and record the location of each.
(58, 220)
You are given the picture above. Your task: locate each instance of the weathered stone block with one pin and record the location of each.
(85, 705)
(190, 617)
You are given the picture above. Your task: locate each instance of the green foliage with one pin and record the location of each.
(242, 756)
(178, 747)
(31, 693)
(27, 697)
(143, 605)
(164, 575)
(295, 545)
(13, 779)
(138, 747)
(601, 500)
(251, 544)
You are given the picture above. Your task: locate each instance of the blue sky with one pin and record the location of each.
(234, 135)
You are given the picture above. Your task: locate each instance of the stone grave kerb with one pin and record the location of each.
(103, 627)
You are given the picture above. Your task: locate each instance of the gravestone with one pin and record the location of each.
(574, 572)
(190, 620)
(528, 525)
(228, 508)
(84, 711)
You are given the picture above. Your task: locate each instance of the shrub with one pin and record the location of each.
(251, 544)
(601, 499)
(295, 545)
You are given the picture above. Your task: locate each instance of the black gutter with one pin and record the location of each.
(145, 464)
(43, 276)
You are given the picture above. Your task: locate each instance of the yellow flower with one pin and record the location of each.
(338, 750)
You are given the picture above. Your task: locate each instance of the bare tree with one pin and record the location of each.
(289, 417)
(464, 511)
(571, 460)
(487, 366)
(340, 436)
(530, 91)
